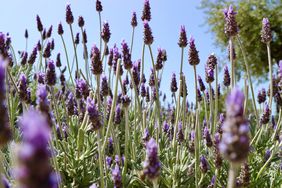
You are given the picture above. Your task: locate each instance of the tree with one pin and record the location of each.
(249, 18)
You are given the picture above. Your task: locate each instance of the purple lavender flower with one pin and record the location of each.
(134, 20)
(265, 115)
(117, 119)
(109, 161)
(143, 90)
(204, 165)
(135, 74)
(125, 101)
(231, 28)
(32, 57)
(71, 105)
(104, 86)
(26, 34)
(226, 78)
(34, 153)
(80, 21)
(147, 94)
(201, 84)
(93, 114)
(235, 140)
(69, 16)
(49, 32)
(82, 89)
(209, 73)
(146, 135)
(106, 33)
(165, 127)
(193, 53)
(267, 155)
(47, 50)
(109, 106)
(22, 87)
(97, 67)
(180, 135)
(99, 7)
(199, 95)
(173, 83)
(76, 39)
(212, 61)
(151, 166)
(58, 60)
(266, 35)
(126, 55)
(148, 35)
(183, 37)
(5, 131)
(51, 73)
(60, 29)
(39, 24)
(160, 59)
(116, 177)
(261, 98)
(146, 14)
(110, 146)
(152, 79)
(42, 98)
(24, 58)
(207, 137)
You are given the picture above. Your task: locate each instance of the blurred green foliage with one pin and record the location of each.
(249, 19)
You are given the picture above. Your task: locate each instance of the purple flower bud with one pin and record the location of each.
(209, 73)
(265, 115)
(134, 19)
(51, 73)
(69, 16)
(60, 29)
(165, 127)
(180, 135)
(148, 35)
(47, 50)
(109, 106)
(26, 34)
(204, 165)
(199, 95)
(49, 32)
(146, 136)
(147, 94)
(193, 53)
(39, 24)
(22, 87)
(97, 67)
(5, 131)
(207, 137)
(235, 140)
(84, 37)
(143, 90)
(212, 61)
(126, 101)
(183, 37)
(267, 155)
(93, 114)
(99, 7)
(104, 86)
(201, 84)
(226, 78)
(76, 40)
(261, 98)
(146, 14)
(80, 21)
(71, 105)
(160, 57)
(126, 55)
(32, 57)
(231, 28)
(151, 166)
(116, 177)
(82, 89)
(106, 33)
(266, 35)
(34, 152)
(109, 161)
(23, 58)
(117, 119)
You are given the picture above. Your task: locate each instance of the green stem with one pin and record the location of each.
(232, 176)
(100, 160)
(100, 24)
(132, 40)
(75, 53)
(85, 54)
(231, 62)
(126, 139)
(270, 75)
(211, 109)
(67, 57)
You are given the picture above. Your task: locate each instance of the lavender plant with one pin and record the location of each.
(109, 125)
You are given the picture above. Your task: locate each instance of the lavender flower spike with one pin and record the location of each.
(146, 14)
(148, 35)
(226, 78)
(5, 131)
(34, 152)
(106, 33)
(69, 16)
(266, 35)
(193, 53)
(235, 140)
(182, 43)
(97, 67)
(231, 28)
(116, 176)
(134, 20)
(151, 165)
(93, 114)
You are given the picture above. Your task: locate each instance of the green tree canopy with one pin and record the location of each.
(249, 19)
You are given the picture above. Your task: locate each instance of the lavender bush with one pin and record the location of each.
(110, 126)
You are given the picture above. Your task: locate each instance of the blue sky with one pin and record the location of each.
(167, 17)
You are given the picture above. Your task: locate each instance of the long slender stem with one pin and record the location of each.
(101, 160)
(216, 96)
(100, 24)
(232, 62)
(270, 75)
(126, 139)
(85, 56)
(211, 109)
(67, 57)
(197, 150)
(112, 107)
(196, 87)
(75, 53)
(143, 56)
(232, 176)
(132, 40)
